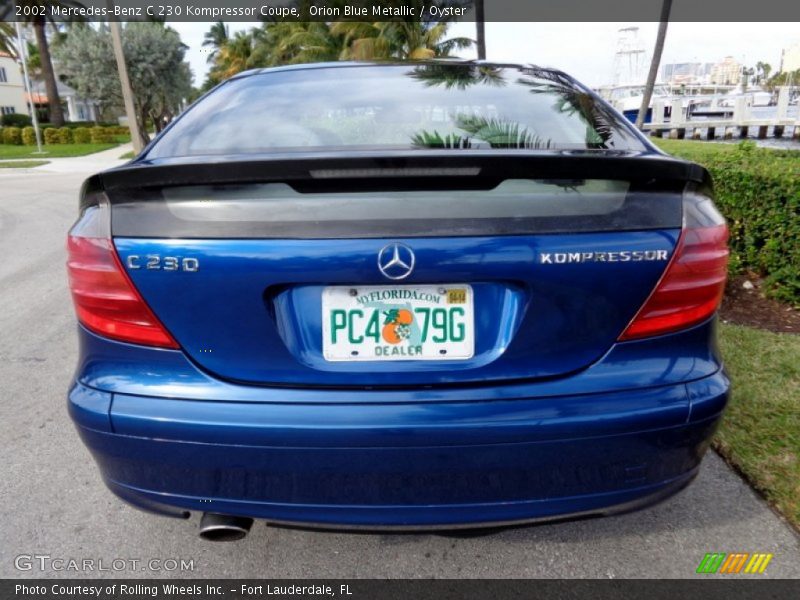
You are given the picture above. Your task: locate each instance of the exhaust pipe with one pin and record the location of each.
(224, 528)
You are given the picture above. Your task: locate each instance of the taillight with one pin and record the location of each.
(691, 288)
(106, 301)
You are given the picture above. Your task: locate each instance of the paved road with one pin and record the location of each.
(53, 502)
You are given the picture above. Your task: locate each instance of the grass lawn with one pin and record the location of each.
(760, 434)
(53, 151)
(693, 146)
(22, 164)
(698, 150)
(128, 155)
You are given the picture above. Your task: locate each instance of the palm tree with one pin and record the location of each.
(284, 42)
(783, 78)
(39, 24)
(451, 76)
(34, 60)
(363, 40)
(235, 55)
(215, 38)
(405, 40)
(480, 33)
(656, 60)
(7, 45)
(763, 69)
(570, 99)
(496, 132)
(48, 73)
(302, 42)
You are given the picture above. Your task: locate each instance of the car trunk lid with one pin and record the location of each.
(554, 253)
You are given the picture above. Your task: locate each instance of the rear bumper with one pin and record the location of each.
(423, 464)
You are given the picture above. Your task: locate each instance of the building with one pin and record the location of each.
(77, 108)
(790, 59)
(727, 72)
(12, 89)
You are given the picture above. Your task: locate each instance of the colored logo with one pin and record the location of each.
(396, 261)
(397, 326)
(737, 562)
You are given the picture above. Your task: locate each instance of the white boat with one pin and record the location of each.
(753, 97)
(628, 98)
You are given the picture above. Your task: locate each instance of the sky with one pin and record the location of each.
(585, 50)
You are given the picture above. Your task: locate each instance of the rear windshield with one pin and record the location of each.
(428, 106)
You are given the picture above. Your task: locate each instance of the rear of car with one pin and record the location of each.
(431, 295)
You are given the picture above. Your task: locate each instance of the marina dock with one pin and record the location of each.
(713, 117)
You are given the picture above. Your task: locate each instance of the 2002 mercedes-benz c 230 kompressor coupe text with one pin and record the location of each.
(437, 294)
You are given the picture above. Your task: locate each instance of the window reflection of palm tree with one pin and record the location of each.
(457, 76)
(495, 132)
(572, 99)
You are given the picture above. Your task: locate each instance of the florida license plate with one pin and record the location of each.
(404, 322)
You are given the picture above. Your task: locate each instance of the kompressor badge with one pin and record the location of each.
(561, 258)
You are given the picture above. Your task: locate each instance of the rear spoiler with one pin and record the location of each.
(429, 169)
(145, 202)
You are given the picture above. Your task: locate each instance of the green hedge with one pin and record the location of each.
(101, 135)
(15, 120)
(63, 135)
(51, 136)
(758, 191)
(29, 136)
(81, 135)
(12, 135)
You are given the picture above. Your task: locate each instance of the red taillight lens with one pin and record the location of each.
(691, 288)
(106, 301)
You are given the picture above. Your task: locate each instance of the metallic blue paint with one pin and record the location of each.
(627, 430)
(551, 417)
(137, 370)
(252, 312)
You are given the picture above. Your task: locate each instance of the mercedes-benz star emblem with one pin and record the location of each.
(396, 261)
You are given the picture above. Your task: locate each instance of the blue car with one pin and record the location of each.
(420, 295)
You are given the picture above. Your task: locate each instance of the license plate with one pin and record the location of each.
(404, 322)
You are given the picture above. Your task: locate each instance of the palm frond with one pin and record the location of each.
(457, 76)
(570, 100)
(500, 133)
(7, 36)
(447, 47)
(434, 139)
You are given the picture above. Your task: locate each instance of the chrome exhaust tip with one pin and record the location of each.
(224, 528)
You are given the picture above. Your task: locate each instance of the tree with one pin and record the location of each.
(34, 60)
(138, 134)
(291, 42)
(480, 32)
(762, 72)
(7, 45)
(789, 78)
(159, 75)
(215, 38)
(666, 6)
(402, 39)
(303, 42)
(233, 57)
(39, 24)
